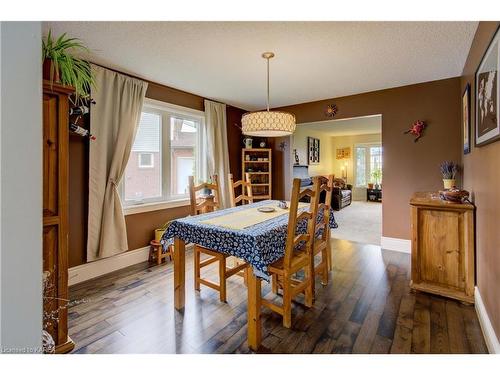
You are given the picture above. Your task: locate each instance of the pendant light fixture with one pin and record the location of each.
(268, 123)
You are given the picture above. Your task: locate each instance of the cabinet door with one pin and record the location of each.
(50, 156)
(50, 265)
(441, 247)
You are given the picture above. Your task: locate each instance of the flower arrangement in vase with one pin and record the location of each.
(449, 170)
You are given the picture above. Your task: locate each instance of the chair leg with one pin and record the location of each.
(158, 255)
(309, 292)
(274, 283)
(196, 268)
(324, 267)
(329, 254)
(287, 302)
(170, 252)
(222, 278)
(245, 275)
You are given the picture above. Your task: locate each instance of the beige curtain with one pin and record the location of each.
(113, 120)
(217, 148)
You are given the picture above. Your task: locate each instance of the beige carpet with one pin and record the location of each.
(359, 222)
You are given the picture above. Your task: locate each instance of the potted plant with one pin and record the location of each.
(61, 66)
(449, 171)
(377, 177)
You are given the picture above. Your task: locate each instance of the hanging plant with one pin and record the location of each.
(60, 64)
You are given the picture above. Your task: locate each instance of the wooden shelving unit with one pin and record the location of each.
(257, 162)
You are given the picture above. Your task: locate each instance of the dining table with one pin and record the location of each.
(245, 232)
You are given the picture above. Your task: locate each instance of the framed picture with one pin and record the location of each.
(487, 95)
(343, 153)
(312, 150)
(466, 118)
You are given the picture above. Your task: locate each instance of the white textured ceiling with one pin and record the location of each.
(314, 60)
(352, 126)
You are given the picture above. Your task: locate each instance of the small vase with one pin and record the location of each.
(448, 183)
(49, 72)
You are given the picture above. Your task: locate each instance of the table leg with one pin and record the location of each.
(179, 273)
(254, 303)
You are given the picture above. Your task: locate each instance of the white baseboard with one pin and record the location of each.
(101, 267)
(489, 334)
(395, 244)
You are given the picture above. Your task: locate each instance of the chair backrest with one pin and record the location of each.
(293, 239)
(326, 185)
(246, 195)
(214, 188)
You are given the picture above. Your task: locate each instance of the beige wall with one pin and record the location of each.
(326, 156)
(482, 179)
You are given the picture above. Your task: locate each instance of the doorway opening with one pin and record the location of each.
(352, 150)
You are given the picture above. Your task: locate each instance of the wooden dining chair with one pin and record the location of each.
(203, 205)
(322, 232)
(246, 196)
(298, 254)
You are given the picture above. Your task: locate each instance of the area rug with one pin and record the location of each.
(359, 222)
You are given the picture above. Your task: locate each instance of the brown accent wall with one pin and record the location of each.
(139, 226)
(408, 166)
(482, 179)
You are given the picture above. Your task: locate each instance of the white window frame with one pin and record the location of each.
(367, 161)
(167, 199)
(146, 166)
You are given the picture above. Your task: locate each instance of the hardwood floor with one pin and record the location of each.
(366, 308)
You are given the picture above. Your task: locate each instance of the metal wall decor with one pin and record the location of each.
(331, 110)
(313, 150)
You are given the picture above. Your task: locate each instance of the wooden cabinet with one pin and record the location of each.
(442, 254)
(55, 208)
(257, 162)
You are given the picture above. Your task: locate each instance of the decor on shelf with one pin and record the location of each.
(466, 118)
(487, 116)
(377, 177)
(343, 153)
(247, 142)
(268, 123)
(313, 151)
(331, 110)
(262, 144)
(454, 195)
(296, 156)
(417, 129)
(449, 171)
(61, 66)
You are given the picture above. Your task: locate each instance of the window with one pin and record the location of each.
(164, 153)
(146, 160)
(368, 159)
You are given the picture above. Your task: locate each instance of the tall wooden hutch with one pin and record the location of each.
(55, 208)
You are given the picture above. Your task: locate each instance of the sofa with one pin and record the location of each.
(341, 194)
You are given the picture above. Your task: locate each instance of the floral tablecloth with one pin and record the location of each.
(260, 245)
